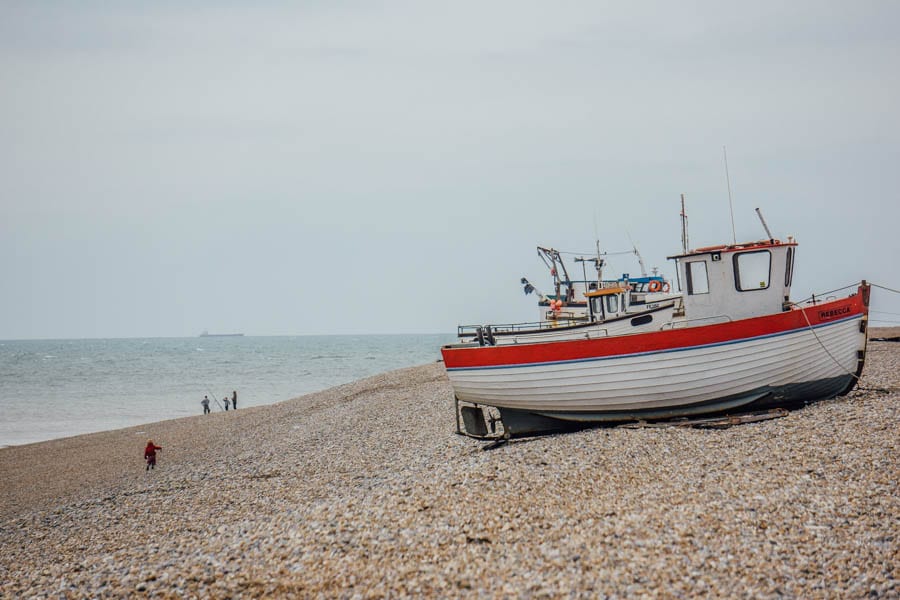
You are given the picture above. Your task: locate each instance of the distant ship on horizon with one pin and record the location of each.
(208, 334)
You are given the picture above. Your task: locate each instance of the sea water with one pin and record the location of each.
(58, 388)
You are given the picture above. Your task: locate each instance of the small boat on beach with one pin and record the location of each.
(736, 343)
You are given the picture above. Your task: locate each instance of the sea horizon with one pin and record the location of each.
(54, 388)
(199, 336)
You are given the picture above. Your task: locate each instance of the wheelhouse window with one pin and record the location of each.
(752, 270)
(697, 278)
(789, 268)
(612, 303)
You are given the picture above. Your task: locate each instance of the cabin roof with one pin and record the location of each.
(605, 292)
(758, 245)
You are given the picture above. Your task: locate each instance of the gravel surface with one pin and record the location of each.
(365, 491)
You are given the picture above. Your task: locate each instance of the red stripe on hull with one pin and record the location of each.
(520, 354)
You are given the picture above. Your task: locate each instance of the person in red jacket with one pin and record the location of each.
(150, 454)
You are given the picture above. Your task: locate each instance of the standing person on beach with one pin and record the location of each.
(225, 400)
(234, 399)
(150, 454)
(205, 403)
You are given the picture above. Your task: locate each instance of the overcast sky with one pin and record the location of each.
(378, 167)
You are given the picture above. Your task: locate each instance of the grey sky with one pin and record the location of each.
(364, 167)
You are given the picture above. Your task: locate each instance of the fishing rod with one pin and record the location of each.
(216, 399)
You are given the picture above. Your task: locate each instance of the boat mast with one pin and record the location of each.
(598, 266)
(730, 204)
(684, 229)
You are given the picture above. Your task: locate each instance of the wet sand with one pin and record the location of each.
(365, 491)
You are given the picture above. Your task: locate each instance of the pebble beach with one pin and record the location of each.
(365, 491)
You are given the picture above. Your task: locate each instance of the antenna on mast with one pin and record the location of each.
(730, 204)
(684, 229)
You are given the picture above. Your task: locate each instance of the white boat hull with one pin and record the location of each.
(662, 379)
(791, 362)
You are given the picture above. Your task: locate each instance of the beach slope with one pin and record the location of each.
(364, 491)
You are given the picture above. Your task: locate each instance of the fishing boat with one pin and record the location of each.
(739, 343)
(570, 298)
(584, 309)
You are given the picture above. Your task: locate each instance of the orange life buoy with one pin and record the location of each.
(665, 286)
(654, 286)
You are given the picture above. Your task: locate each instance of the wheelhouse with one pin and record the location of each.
(730, 282)
(608, 303)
